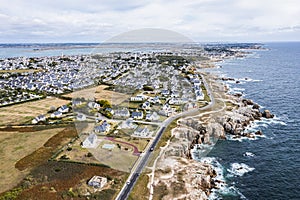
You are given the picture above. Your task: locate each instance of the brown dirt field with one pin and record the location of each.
(53, 180)
(99, 93)
(47, 150)
(14, 146)
(21, 113)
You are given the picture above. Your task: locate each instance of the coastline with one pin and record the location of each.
(195, 136)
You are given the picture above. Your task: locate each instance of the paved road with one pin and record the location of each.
(142, 162)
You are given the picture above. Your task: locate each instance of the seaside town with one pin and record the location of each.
(119, 105)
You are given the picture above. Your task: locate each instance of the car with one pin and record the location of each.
(128, 182)
(151, 149)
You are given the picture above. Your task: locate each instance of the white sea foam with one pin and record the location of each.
(239, 169)
(238, 89)
(248, 154)
(222, 187)
(228, 191)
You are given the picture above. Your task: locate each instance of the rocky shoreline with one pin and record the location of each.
(233, 123)
(200, 179)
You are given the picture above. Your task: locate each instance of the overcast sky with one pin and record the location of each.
(99, 20)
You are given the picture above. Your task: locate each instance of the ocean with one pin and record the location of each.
(271, 164)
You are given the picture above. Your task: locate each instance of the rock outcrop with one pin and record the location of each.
(267, 114)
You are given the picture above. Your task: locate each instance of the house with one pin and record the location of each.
(142, 132)
(97, 182)
(76, 103)
(56, 114)
(128, 124)
(175, 94)
(154, 100)
(146, 105)
(152, 116)
(165, 92)
(91, 141)
(199, 95)
(94, 105)
(81, 117)
(110, 110)
(166, 107)
(124, 113)
(137, 115)
(137, 98)
(40, 118)
(104, 127)
(197, 82)
(64, 109)
(175, 101)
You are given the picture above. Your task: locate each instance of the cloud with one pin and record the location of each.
(94, 20)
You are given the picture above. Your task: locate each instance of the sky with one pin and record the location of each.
(99, 20)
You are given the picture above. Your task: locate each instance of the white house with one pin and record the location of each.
(56, 114)
(137, 98)
(40, 118)
(128, 124)
(175, 101)
(64, 109)
(94, 105)
(154, 100)
(146, 105)
(122, 113)
(104, 127)
(152, 116)
(97, 182)
(91, 141)
(137, 115)
(141, 132)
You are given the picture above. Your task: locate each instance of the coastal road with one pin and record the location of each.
(123, 195)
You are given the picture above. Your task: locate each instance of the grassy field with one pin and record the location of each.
(67, 180)
(140, 190)
(15, 146)
(119, 158)
(99, 92)
(25, 112)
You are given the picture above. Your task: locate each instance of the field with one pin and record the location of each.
(121, 158)
(99, 92)
(16, 145)
(67, 180)
(25, 112)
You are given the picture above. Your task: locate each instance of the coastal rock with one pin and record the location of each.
(258, 132)
(238, 95)
(255, 106)
(227, 127)
(247, 102)
(257, 115)
(267, 114)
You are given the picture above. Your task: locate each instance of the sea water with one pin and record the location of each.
(269, 167)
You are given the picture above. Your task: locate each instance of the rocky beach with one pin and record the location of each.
(183, 166)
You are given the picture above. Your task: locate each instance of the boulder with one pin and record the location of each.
(247, 102)
(258, 132)
(227, 127)
(267, 114)
(255, 106)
